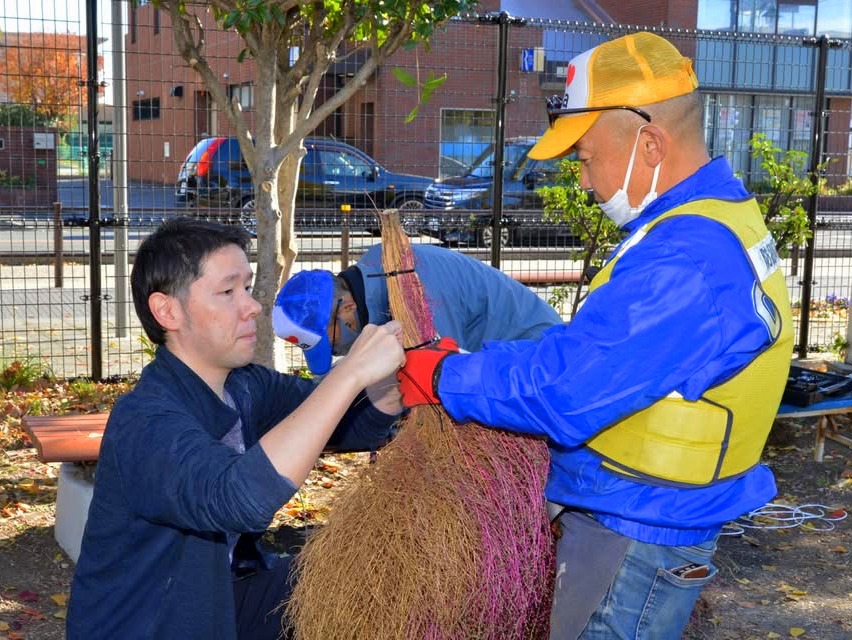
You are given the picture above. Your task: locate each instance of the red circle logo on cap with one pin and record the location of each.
(571, 70)
(292, 339)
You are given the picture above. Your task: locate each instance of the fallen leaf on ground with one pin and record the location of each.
(30, 486)
(61, 614)
(27, 596)
(60, 598)
(796, 631)
(28, 614)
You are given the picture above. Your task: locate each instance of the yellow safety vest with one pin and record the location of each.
(722, 434)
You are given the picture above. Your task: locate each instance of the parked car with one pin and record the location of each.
(459, 209)
(333, 173)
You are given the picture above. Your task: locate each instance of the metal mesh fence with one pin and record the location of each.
(179, 157)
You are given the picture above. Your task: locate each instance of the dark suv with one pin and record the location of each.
(332, 173)
(458, 209)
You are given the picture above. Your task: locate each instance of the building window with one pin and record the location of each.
(834, 18)
(728, 128)
(244, 94)
(757, 16)
(716, 15)
(797, 18)
(802, 18)
(730, 121)
(146, 109)
(800, 130)
(465, 133)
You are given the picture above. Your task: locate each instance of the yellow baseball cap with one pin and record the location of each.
(629, 72)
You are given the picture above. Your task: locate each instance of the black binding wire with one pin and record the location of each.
(390, 274)
(422, 344)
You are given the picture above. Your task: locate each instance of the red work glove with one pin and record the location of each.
(418, 379)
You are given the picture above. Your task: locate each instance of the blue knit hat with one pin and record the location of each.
(301, 315)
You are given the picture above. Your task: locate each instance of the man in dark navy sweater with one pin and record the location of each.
(199, 456)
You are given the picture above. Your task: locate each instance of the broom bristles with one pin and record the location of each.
(446, 537)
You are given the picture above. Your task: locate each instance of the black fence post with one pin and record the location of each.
(816, 157)
(58, 247)
(503, 19)
(94, 190)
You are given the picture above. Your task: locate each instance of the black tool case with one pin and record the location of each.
(805, 386)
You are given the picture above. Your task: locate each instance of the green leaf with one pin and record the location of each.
(231, 19)
(404, 77)
(279, 16)
(243, 54)
(410, 117)
(434, 83)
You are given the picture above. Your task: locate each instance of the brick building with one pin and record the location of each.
(27, 166)
(746, 88)
(171, 111)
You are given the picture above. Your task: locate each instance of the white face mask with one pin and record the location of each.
(618, 208)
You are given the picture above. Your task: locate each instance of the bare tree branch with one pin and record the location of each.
(191, 50)
(308, 123)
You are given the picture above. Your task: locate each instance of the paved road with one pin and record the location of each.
(38, 317)
(74, 194)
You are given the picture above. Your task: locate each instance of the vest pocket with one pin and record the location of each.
(674, 441)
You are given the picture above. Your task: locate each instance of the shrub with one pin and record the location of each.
(782, 194)
(23, 373)
(569, 203)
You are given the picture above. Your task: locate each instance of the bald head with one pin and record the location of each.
(681, 117)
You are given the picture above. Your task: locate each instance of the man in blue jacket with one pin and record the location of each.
(657, 398)
(469, 300)
(199, 456)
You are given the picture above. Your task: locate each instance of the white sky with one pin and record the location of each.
(64, 16)
(60, 16)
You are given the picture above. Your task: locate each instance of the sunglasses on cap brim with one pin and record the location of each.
(555, 112)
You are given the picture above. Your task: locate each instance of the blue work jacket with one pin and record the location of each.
(470, 301)
(677, 316)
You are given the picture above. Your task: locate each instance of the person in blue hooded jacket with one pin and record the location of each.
(657, 398)
(201, 453)
(469, 300)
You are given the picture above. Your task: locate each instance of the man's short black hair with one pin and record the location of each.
(170, 260)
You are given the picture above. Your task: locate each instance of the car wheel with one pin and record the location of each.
(486, 236)
(409, 216)
(248, 217)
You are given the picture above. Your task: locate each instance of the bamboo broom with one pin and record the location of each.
(446, 537)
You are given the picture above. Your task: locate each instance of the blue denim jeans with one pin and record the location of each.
(610, 587)
(646, 601)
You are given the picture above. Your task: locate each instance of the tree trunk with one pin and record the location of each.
(268, 268)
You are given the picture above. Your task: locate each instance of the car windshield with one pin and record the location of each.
(483, 166)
